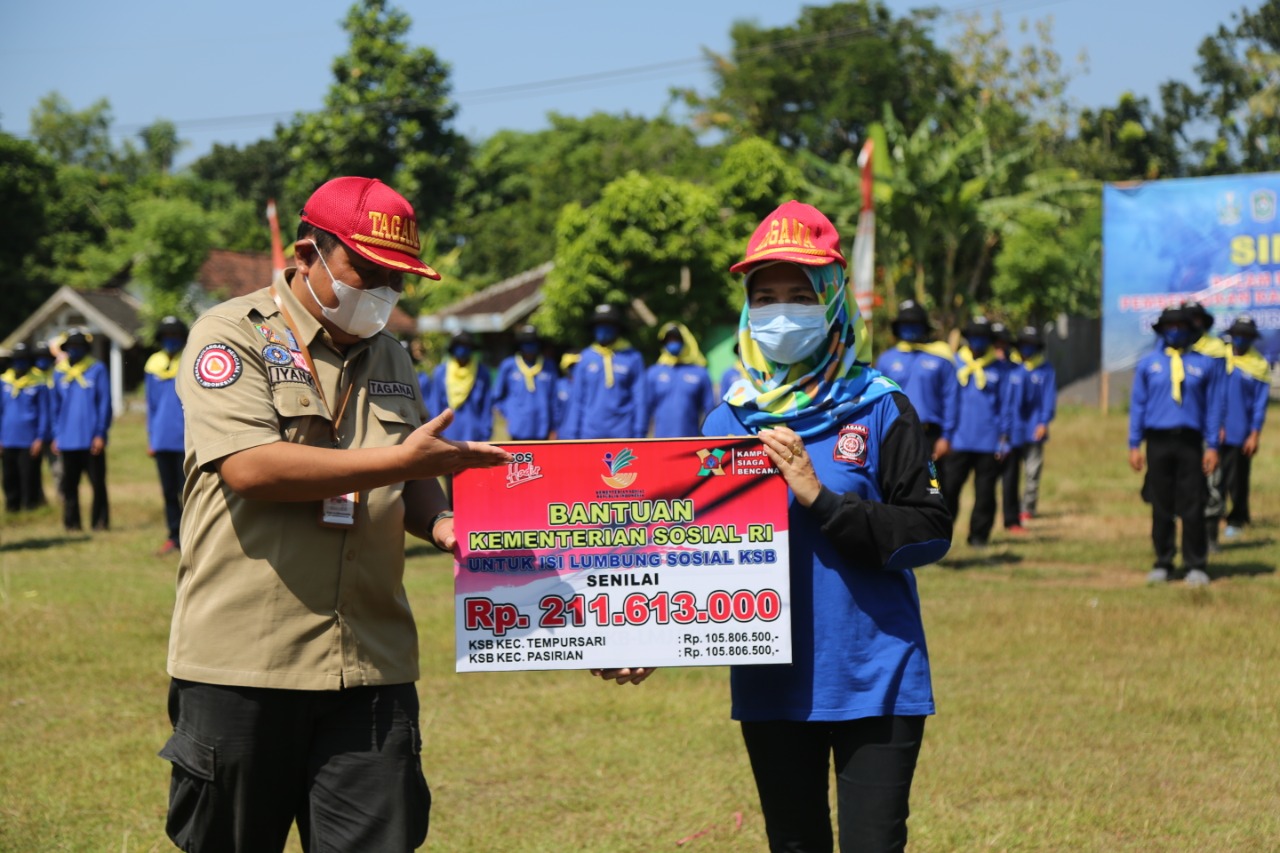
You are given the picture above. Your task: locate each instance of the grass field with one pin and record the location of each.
(1078, 709)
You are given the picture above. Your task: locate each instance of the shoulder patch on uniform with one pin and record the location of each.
(852, 445)
(387, 388)
(217, 366)
(276, 354)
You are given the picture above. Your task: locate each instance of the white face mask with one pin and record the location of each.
(787, 332)
(362, 313)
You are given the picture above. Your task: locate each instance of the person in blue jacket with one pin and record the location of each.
(564, 394)
(44, 366)
(1039, 407)
(24, 428)
(83, 394)
(1202, 342)
(1010, 362)
(679, 387)
(1176, 407)
(864, 510)
(166, 431)
(925, 371)
(463, 384)
(983, 427)
(609, 399)
(1248, 386)
(524, 391)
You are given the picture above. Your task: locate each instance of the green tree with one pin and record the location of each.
(651, 242)
(28, 196)
(816, 84)
(387, 115)
(754, 177)
(74, 137)
(516, 184)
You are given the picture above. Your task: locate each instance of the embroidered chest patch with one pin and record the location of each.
(852, 445)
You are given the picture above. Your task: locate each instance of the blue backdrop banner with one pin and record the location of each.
(1214, 240)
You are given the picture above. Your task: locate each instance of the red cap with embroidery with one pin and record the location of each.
(371, 219)
(795, 232)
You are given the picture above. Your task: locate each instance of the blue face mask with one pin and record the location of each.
(1240, 347)
(1176, 337)
(605, 334)
(529, 350)
(21, 365)
(44, 363)
(1028, 353)
(171, 345)
(75, 353)
(461, 353)
(912, 333)
(673, 347)
(979, 344)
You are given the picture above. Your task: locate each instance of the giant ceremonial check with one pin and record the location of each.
(1214, 240)
(602, 554)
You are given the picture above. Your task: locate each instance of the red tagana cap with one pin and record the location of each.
(795, 232)
(372, 220)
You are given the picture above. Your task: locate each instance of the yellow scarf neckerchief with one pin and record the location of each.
(974, 367)
(530, 372)
(606, 354)
(17, 384)
(1033, 362)
(161, 365)
(459, 380)
(1176, 373)
(1212, 347)
(1251, 363)
(690, 353)
(935, 348)
(75, 372)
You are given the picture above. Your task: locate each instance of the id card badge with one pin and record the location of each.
(339, 511)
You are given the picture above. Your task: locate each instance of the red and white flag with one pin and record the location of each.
(864, 250)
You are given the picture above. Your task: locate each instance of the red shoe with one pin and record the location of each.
(169, 547)
(1016, 530)
(1025, 517)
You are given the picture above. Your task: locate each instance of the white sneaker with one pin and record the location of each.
(1232, 532)
(1197, 577)
(1158, 575)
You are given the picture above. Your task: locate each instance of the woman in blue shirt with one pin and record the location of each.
(679, 391)
(166, 429)
(865, 509)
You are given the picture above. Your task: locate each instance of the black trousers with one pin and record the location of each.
(1176, 489)
(956, 467)
(75, 463)
(169, 466)
(1236, 468)
(875, 760)
(249, 761)
(1011, 488)
(22, 486)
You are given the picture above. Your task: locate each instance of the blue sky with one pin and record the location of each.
(225, 71)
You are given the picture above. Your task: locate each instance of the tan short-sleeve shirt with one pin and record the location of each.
(266, 596)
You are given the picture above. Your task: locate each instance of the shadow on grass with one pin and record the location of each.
(1241, 570)
(46, 542)
(1230, 546)
(979, 559)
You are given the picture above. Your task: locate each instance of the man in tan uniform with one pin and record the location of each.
(293, 651)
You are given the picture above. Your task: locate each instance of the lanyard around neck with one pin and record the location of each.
(336, 417)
